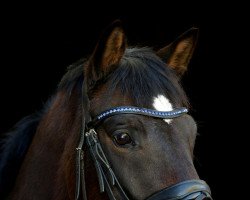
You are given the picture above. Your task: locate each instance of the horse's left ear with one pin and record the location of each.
(178, 54)
(107, 53)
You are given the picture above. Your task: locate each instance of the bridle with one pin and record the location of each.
(186, 190)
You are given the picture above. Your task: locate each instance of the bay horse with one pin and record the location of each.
(117, 128)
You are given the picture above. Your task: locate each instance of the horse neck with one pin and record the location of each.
(48, 169)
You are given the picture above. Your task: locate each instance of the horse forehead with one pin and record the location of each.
(162, 103)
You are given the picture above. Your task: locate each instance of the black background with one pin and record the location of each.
(39, 41)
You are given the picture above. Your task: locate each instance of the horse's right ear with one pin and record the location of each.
(107, 54)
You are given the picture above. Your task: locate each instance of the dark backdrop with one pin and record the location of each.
(38, 42)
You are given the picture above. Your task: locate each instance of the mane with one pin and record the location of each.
(73, 76)
(141, 74)
(13, 148)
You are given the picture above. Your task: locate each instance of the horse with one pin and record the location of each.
(117, 127)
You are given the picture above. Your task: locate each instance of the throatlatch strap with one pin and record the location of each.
(80, 173)
(80, 176)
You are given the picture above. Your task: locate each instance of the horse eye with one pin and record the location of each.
(122, 139)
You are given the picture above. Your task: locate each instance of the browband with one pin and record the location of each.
(136, 110)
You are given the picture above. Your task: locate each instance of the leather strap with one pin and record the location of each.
(138, 111)
(80, 175)
(191, 189)
(106, 176)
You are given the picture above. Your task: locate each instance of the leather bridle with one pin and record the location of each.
(186, 190)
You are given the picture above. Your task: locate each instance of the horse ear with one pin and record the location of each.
(107, 53)
(178, 54)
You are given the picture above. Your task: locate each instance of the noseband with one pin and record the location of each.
(186, 190)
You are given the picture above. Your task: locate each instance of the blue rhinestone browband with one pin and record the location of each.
(138, 111)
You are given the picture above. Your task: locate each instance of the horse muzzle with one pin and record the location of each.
(186, 190)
